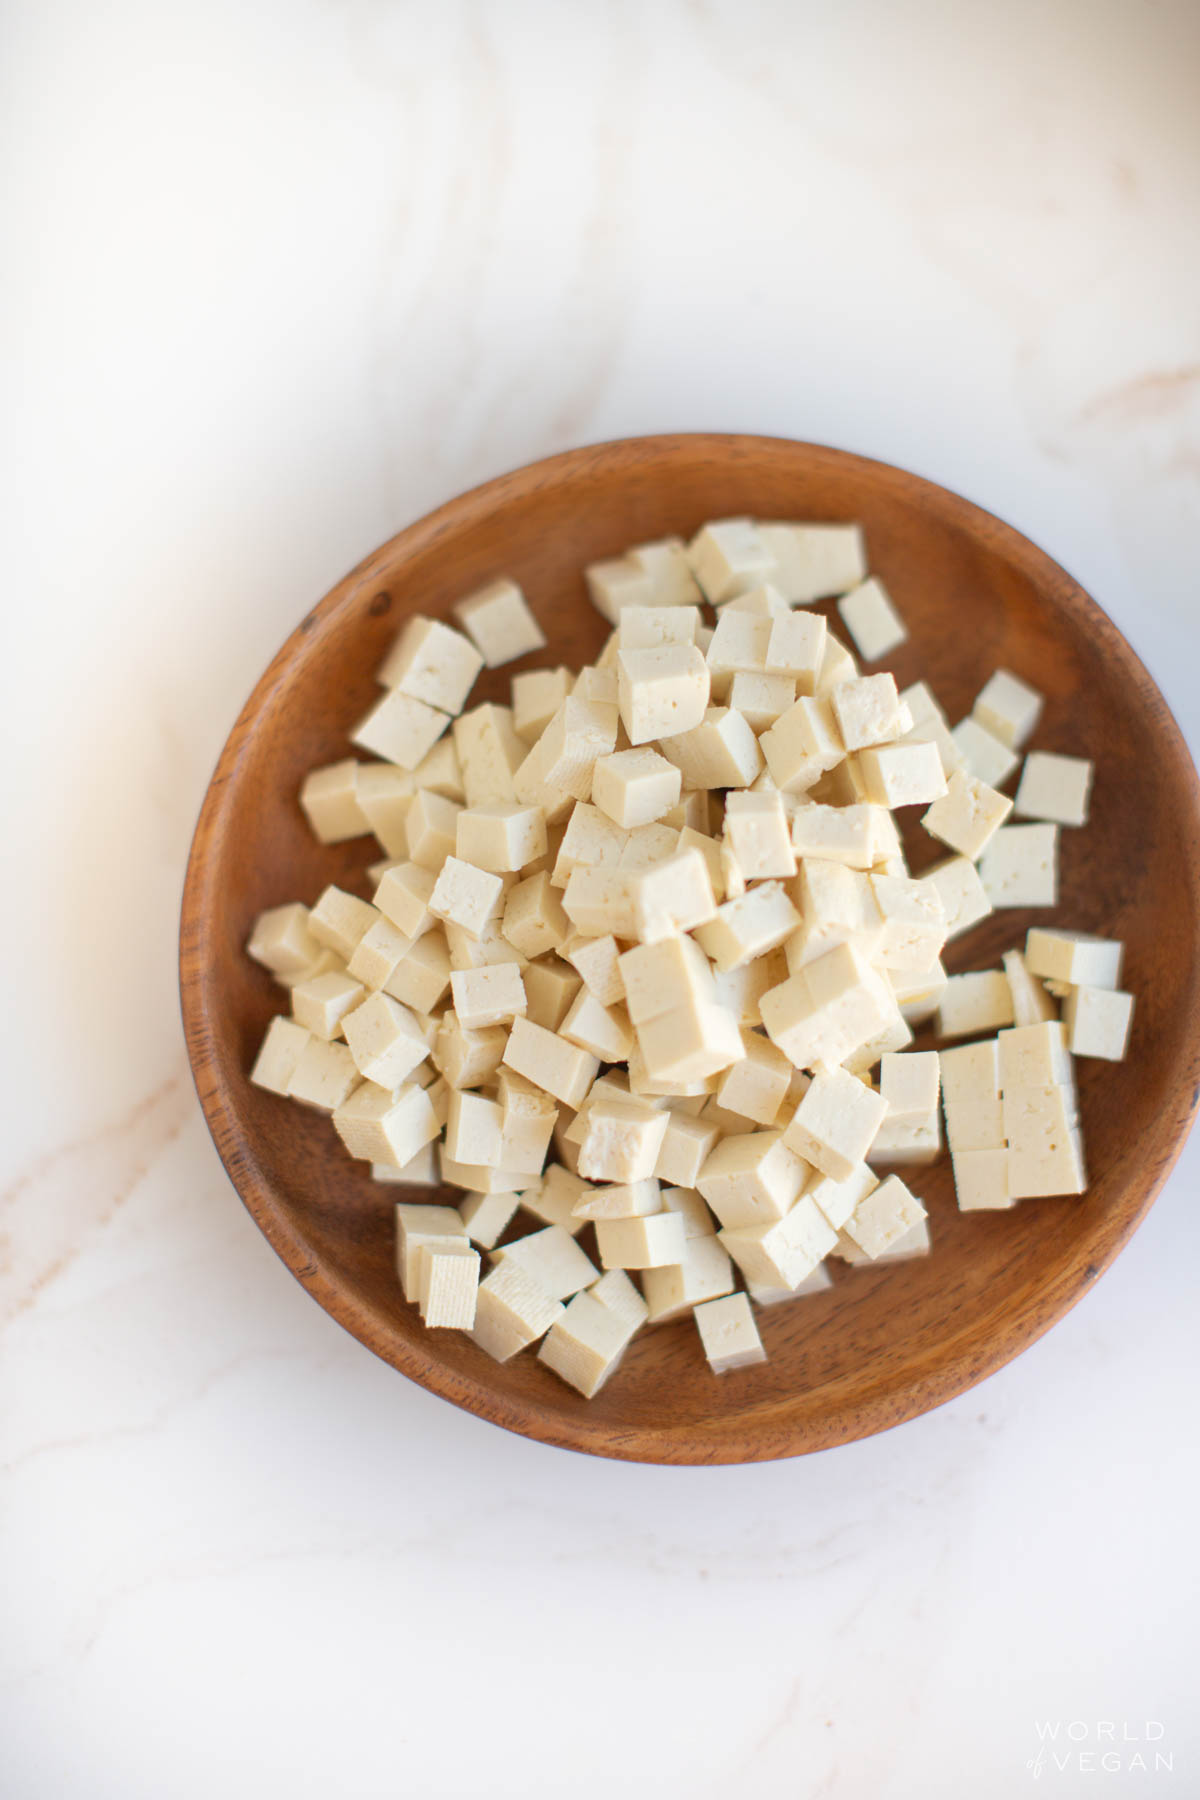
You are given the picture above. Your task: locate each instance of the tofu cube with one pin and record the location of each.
(1055, 788)
(651, 1242)
(499, 623)
(728, 556)
(756, 830)
(621, 1200)
(981, 1181)
(1045, 1151)
(385, 1127)
(586, 1344)
(385, 1040)
(802, 745)
(872, 620)
(661, 692)
(1020, 866)
(705, 1273)
(675, 895)
(621, 1140)
(635, 787)
(784, 1253)
(760, 699)
(835, 1123)
(796, 648)
(403, 897)
(339, 920)
(537, 695)
(985, 756)
(448, 1284)
(962, 894)
(278, 1055)
(887, 1214)
(431, 829)
(321, 1004)
(511, 1311)
(1033, 1056)
(974, 1003)
(717, 750)
(903, 774)
(914, 924)
(466, 896)
(686, 1143)
(400, 729)
(329, 801)
(1009, 708)
(837, 1200)
(487, 1217)
(813, 562)
(910, 1083)
(1075, 958)
(832, 1008)
(729, 1334)
(1098, 1022)
(756, 1087)
(419, 1225)
(282, 942)
(751, 1179)
(968, 815)
(548, 1061)
(869, 711)
(534, 921)
(1032, 1005)
(500, 836)
(431, 662)
(744, 929)
(488, 996)
(554, 1260)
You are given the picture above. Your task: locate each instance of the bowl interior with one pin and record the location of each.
(882, 1344)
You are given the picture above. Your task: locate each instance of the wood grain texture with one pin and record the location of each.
(883, 1345)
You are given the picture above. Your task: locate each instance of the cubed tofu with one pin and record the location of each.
(872, 620)
(499, 623)
(835, 1123)
(729, 1334)
(968, 815)
(635, 787)
(431, 662)
(1098, 1022)
(1009, 708)
(1020, 866)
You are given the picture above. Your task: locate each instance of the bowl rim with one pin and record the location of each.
(733, 1439)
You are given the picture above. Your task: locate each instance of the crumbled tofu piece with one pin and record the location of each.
(429, 661)
(511, 1311)
(321, 1004)
(903, 774)
(717, 750)
(988, 758)
(1098, 1022)
(968, 815)
(872, 621)
(751, 1179)
(329, 799)
(704, 1273)
(835, 1123)
(887, 1214)
(814, 562)
(1074, 957)
(1009, 708)
(281, 1050)
(1020, 866)
(962, 894)
(974, 1003)
(728, 556)
(548, 1061)
(729, 1334)
(400, 730)
(635, 787)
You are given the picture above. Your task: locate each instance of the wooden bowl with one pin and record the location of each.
(883, 1344)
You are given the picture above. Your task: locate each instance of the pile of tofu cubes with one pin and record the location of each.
(644, 957)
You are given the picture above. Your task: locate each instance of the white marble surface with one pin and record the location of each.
(281, 276)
